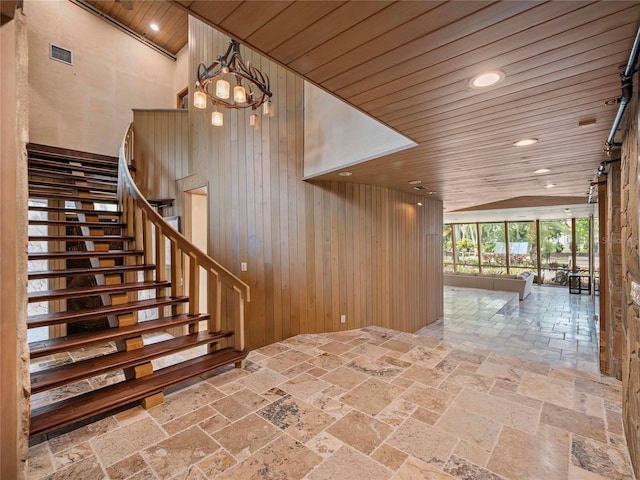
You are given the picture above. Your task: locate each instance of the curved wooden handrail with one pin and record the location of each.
(140, 216)
(201, 258)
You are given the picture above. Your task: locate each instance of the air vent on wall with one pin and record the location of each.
(60, 54)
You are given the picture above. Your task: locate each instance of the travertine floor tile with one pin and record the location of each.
(377, 404)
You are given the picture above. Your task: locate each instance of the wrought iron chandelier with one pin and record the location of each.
(251, 88)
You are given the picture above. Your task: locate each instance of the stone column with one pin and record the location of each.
(614, 274)
(630, 310)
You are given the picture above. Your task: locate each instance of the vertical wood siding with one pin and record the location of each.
(316, 250)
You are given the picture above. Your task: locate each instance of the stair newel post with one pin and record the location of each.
(238, 334)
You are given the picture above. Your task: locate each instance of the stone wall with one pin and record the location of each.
(630, 275)
(613, 239)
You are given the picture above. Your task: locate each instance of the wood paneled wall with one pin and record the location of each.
(14, 354)
(161, 151)
(314, 251)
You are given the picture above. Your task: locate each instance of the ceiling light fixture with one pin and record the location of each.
(543, 170)
(414, 182)
(550, 185)
(525, 142)
(486, 79)
(345, 174)
(154, 27)
(419, 204)
(251, 88)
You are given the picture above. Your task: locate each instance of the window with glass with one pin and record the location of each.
(582, 245)
(466, 238)
(493, 248)
(522, 247)
(447, 248)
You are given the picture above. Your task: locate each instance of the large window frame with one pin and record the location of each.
(527, 241)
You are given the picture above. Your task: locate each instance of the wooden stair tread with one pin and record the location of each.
(54, 416)
(55, 318)
(78, 272)
(78, 292)
(40, 149)
(72, 211)
(48, 173)
(70, 255)
(71, 186)
(72, 372)
(75, 223)
(73, 342)
(103, 170)
(74, 198)
(79, 238)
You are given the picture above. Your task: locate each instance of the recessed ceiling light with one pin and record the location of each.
(345, 174)
(414, 182)
(525, 141)
(431, 193)
(567, 210)
(550, 185)
(543, 170)
(154, 27)
(419, 204)
(486, 79)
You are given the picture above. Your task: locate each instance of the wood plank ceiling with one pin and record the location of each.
(408, 64)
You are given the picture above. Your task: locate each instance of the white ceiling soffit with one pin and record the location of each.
(555, 212)
(336, 135)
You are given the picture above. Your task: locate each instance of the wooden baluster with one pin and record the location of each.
(176, 272)
(147, 241)
(161, 268)
(214, 293)
(194, 291)
(238, 334)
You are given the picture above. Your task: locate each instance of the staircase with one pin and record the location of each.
(93, 238)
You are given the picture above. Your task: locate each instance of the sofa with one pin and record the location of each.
(521, 283)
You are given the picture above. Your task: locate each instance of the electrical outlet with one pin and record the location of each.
(343, 319)
(243, 266)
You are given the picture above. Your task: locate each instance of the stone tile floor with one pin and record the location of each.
(550, 325)
(365, 404)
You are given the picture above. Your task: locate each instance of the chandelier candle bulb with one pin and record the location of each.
(222, 89)
(254, 121)
(239, 94)
(217, 119)
(199, 100)
(268, 109)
